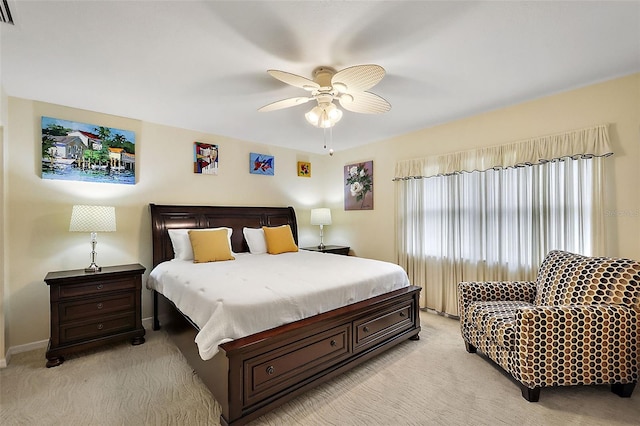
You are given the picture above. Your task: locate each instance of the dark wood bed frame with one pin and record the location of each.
(252, 375)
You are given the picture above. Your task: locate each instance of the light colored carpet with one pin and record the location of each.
(433, 381)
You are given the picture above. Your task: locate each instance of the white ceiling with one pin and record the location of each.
(201, 65)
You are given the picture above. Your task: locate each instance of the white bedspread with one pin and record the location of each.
(256, 292)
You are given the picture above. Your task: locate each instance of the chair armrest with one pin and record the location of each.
(577, 344)
(476, 291)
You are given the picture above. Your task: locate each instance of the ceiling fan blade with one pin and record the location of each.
(364, 102)
(285, 103)
(294, 80)
(357, 78)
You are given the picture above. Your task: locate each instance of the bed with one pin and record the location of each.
(251, 375)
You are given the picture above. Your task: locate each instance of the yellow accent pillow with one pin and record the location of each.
(210, 246)
(279, 239)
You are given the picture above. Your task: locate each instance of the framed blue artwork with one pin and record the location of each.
(87, 152)
(261, 164)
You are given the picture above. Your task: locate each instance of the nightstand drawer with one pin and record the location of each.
(101, 306)
(96, 287)
(99, 327)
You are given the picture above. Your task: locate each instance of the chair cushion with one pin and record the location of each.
(496, 320)
(571, 279)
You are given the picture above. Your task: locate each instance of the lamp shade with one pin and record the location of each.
(324, 115)
(93, 219)
(321, 216)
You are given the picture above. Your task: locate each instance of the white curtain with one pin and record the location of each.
(588, 142)
(497, 224)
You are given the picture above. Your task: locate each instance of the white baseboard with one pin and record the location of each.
(22, 348)
(28, 347)
(147, 323)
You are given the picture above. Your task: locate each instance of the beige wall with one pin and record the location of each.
(38, 210)
(3, 329)
(372, 233)
(2, 258)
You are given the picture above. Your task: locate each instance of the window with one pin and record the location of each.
(496, 224)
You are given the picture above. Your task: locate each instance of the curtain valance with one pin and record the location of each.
(588, 142)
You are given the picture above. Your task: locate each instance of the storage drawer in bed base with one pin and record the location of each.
(302, 354)
(389, 319)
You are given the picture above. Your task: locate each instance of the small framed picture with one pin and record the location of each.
(304, 169)
(261, 164)
(358, 186)
(205, 158)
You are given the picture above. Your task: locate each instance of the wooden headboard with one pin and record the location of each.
(164, 217)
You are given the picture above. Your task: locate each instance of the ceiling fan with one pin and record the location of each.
(348, 86)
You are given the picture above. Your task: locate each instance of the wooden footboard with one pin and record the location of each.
(253, 375)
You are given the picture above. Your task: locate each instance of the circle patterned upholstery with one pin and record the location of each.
(571, 279)
(576, 324)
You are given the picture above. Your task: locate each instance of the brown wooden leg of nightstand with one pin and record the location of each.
(54, 361)
(137, 341)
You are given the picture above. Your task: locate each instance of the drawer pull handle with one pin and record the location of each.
(270, 370)
(100, 305)
(402, 314)
(365, 329)
(100, 286)
(333, 343)
(100, 326)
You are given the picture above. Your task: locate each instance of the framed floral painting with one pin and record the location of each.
(304, 169)
(358, 186)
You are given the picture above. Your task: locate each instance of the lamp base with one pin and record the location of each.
(93, 268)
(321, 246)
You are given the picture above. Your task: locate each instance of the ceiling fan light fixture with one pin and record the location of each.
(324, 116)
(349, 87)
(313, 115)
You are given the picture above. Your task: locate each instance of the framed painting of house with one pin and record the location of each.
(205, 158)
(261, 164)
(87, 152)
(358, 186)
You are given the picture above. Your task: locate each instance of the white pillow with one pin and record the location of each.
(255, 240)
(182, 244)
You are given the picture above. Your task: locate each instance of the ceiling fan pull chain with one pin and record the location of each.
(330, 141)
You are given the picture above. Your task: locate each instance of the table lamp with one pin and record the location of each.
(321, 217)
(93, 219)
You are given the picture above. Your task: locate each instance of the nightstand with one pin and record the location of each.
(89, 309)
(330, 249)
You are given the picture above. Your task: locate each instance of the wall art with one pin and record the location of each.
(304, 169)
(261, 164)
(87, 152)
(358, 186)
(205, 158)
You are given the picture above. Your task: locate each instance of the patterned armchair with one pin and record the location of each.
(577, 324)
